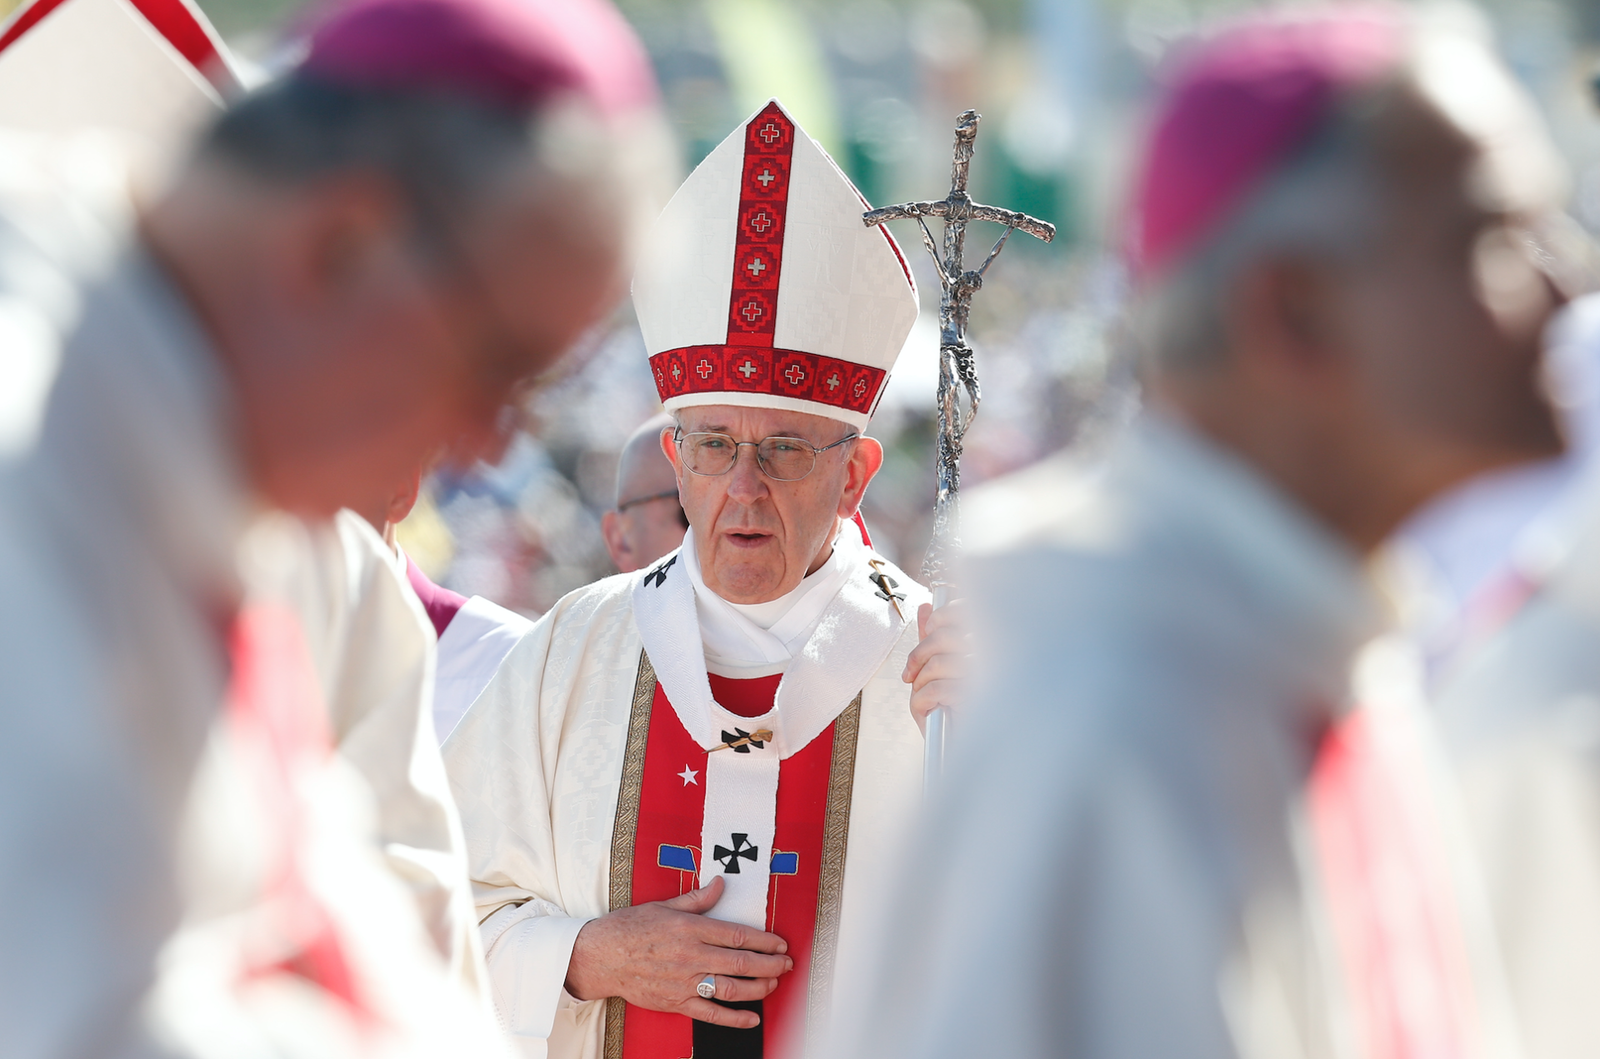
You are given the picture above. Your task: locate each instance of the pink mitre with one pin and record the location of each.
(517, 53)
(1237, 104)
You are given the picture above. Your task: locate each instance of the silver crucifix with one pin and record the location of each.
(957, 372)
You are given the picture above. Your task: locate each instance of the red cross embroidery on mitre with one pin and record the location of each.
(667, 855)
(763, 212)
(783, 372)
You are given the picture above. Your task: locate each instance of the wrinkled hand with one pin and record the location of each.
(936, 669)
(653, 955)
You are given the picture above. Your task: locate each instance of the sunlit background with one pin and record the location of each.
(880, 83)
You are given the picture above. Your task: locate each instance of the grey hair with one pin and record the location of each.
(443, 152)
(1329, 201)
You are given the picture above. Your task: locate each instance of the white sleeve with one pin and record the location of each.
(378, 669)
(498, 759)
(477, 640)
(529, 947)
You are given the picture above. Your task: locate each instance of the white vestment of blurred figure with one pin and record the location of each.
(1161, 816)
(1521, 722)
(121, 502)
(169, 879)
(373, 649)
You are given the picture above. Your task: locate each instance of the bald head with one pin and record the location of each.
(648, 521)
(642, 468)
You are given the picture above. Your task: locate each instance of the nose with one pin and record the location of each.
(746, 482)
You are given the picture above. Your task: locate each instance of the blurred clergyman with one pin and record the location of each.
(648, 521)
(334, 284)
(1167, 830)
(474, 634)
(681, 785)
(1519, 717)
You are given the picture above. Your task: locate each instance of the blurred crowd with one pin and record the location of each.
(1059, 83)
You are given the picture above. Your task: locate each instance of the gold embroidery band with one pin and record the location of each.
(626, 826)
(830, 886)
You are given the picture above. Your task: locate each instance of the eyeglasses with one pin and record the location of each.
(671, 494)
(781, 459)
(636, 501)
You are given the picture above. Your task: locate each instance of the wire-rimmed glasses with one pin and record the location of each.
(782, 459)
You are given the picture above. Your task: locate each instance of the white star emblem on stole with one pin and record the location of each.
(689, 775)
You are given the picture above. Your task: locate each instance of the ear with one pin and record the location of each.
(617, 542)
(670, 448)
(1282, 316)
(341, 230)
(865, 461)
(405, 498)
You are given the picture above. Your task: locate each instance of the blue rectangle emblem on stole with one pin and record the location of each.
(679, 857)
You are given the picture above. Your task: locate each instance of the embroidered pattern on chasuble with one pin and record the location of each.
(656, 855)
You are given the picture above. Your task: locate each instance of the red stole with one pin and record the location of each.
(280, 727)
(666, 855)
(1396, 924)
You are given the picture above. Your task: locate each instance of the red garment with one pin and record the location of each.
(274, 708)
(671, 810)
(440, 603)
(1395, 922)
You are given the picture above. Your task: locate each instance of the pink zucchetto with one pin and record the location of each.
(511, 52)
(1237, 104)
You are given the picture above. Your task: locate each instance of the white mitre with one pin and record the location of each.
(148, 72)
(760, 285)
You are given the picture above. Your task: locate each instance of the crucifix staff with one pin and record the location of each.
(958, 373)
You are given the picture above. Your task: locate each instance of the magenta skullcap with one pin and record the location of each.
(512, 52)
(1236, 105)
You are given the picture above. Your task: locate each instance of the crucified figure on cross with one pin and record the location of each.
(957, 372)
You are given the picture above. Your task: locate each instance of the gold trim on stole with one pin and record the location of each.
(830, 886)
(835, 840)
(626, 826)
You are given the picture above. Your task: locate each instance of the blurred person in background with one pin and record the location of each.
(1519, 715)
(336, 283)
(474, 634)
(1519, 710)
(647, 522)
(1198, 833)
(659, 787)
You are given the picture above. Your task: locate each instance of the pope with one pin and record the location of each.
(681, 786)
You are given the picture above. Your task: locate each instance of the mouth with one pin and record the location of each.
(747, 538)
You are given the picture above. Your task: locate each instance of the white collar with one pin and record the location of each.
(857, 626)
(763, 634)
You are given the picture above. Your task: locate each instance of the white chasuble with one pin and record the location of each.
(604, 767)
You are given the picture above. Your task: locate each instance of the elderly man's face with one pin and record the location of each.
(1447, 318)
(757, 538)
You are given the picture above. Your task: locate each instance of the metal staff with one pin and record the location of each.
(957, 372)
